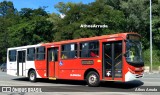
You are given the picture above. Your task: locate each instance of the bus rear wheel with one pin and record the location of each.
(93, 79)
(32, 76)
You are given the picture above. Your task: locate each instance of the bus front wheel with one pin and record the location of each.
(93, 79)
(32, 76)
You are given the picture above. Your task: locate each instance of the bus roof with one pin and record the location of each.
(91, 38)
(74, 40)
(23, 47)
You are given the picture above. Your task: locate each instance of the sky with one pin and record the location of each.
(18, 4)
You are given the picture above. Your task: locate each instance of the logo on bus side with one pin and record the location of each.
(75, 75)
(108, 73)
(60, 63)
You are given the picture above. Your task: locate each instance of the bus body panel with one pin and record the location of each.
(12, 67)
(31, 65)
(41, 68)
(75, 68)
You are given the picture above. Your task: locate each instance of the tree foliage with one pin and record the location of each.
(98, 13)
(8, 17)
(32, 28)
(25, 27)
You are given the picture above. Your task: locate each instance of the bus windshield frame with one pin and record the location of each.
(134, 50)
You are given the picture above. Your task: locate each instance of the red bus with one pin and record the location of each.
(116, 57)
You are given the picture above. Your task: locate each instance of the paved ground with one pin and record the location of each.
(66, 87)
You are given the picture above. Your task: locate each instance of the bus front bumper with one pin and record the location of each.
(130, 76)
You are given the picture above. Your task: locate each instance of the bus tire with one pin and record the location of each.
(32, 76)
(93, 79)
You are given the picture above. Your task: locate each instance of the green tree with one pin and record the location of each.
(8, 17)
(33, 28)
(156, 22)
(98, 13)
(137, 17)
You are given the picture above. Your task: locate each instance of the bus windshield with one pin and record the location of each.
(134, 52)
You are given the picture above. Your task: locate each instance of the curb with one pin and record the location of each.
(147, 70)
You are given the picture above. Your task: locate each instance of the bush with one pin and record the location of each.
(155, 58)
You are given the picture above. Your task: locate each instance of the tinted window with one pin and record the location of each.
(30, 54)
(89, 49)
(12, 55)
(21, 56)
(118, 55)
(40, 53)
(133, 37)
(53, 54)
(69, 51)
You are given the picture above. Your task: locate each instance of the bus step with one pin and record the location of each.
(51, 78)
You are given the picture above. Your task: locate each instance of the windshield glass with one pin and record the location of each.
(134, 51)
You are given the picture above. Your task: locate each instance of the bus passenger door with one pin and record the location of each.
(52, 64)
(112, 60)
(21, 63)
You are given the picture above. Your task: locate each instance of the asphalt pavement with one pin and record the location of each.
(150, 81)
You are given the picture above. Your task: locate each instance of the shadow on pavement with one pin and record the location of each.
(21, 79)
(122, 85)
(70, 82)
(106, 84)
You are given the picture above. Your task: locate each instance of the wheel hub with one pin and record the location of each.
(92, 79)
(32, 76)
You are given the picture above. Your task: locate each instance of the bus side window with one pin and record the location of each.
(84, 49)
(40, 53)
(30, 54)
(69, 51)
(64, 52)
(94, 47)
(73, 52)
(89, 49)
(55, 55)
(12, 55)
